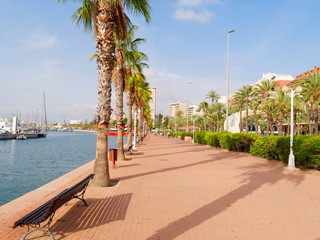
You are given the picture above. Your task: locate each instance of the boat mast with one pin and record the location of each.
(45, 109)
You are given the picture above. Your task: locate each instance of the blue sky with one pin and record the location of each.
(42, 50)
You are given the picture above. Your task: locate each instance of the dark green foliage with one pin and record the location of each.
(265, 147)
(307, 150)
(282, 148)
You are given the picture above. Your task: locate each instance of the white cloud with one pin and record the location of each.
(190, 15)
(38, 40)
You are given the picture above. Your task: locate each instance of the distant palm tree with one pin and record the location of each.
(312, 85)
(246, 92)
(265, 88)
(204, 106)
(238, 101)
(103, 17)
(254, 105)
(213, 96)
(281, 100)
(219, 109)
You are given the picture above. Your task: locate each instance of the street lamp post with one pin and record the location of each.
(231, 31)
(291, 161)
(135, 130)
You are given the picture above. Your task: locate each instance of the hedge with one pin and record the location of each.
(305, 148)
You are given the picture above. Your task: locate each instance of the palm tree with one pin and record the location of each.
(219, 108)
(306, 98)
(246, 92)
(134, 69)
(204, 106)
(281, 100)
(103, 17)
(312, 84)
(265, 88)
(237, 101)
(254, 105)
(213, 96)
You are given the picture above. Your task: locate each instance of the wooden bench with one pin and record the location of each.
(129, 149)
(48, 209)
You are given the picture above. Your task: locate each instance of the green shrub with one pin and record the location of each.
(265, 147)
(307, 150)
(282, 148)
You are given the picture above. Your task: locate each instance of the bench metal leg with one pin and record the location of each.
(23, 237)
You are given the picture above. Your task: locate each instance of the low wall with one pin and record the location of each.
(10, 208)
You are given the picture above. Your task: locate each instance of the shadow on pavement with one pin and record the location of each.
(257, 176)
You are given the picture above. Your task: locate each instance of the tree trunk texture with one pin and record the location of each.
(280, 123)
(316, 120)
(105, 44)
(240, 119)
(255, 120)
(119, 83)
(268, 125)
(140, 125)
(247, 121)
(129, 117)
(309, 120)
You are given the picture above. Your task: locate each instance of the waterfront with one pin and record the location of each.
(27, 165)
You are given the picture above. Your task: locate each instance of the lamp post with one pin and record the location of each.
(193, 132)
(231, 31)
(291, 161)
(175, 126)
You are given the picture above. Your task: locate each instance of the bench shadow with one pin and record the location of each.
(99, 211)
(255, 177)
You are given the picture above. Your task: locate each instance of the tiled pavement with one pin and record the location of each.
(172, 189)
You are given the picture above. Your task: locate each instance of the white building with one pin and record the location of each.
(177, 106)
(275, 77)
(152, 103)
(75, 122)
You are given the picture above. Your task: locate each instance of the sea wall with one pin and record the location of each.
(44, 192)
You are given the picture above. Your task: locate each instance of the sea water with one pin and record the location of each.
(28, 164)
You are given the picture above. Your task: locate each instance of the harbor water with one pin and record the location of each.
(29, 164)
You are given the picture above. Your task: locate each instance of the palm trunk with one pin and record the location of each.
(309, 120)
(120, 76)
(129, 117)
(268, 126)
(240, 118)
(247, 113)
(280, 122)
(105, 44)
(255, 120)
(316, 119)
(312, 118)
(140, 124)
(218, 120)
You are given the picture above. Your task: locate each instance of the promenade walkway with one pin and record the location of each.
(172, 189)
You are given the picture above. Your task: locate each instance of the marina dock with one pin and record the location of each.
(172, 189)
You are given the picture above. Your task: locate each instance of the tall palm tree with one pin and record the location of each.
(265, 88)
(204, 106)
(312, 84)
(103, 17)
(134, 69)
(213, 96)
